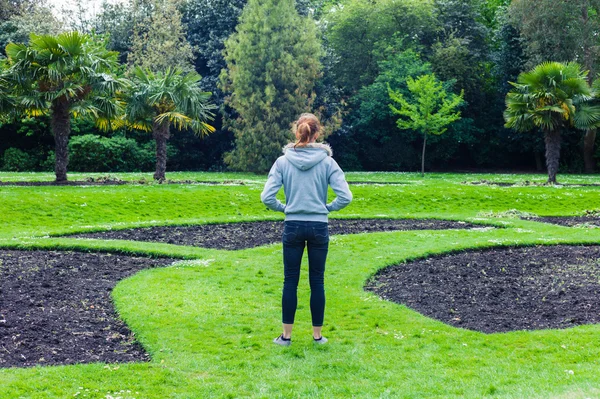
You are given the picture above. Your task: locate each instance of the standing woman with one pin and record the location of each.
(305, 170)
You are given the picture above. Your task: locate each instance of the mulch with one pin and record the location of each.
(117, 182)
(569, 221)
(526, 183)
(55, 308)
(500, 290)
(233, 236)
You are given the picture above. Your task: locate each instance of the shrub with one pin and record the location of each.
(16, 160)
(92, 153)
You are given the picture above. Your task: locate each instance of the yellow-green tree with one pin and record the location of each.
(430, 110)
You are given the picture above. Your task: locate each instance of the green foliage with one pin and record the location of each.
(70, 74)
(547, 98)
(37, 19)
(357, 31)
(157, 101)
(16, 160)
(172, 97)
(159, 42)
(431, 110)
(92, 153)
(372, 123)
(272, 66)
(208, 37)
(70, 68)
(117, 21)
(556, 30)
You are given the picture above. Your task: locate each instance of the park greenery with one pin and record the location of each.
(208, 320)
(430, 111)
(265, 62)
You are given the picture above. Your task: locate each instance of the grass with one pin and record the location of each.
(208, 320)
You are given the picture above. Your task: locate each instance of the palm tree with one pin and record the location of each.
(155, 101)
(548, 98)
(70, 74)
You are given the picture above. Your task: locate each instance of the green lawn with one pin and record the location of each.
(208, 320)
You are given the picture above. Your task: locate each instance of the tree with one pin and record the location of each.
(159, 42)
(547, 98)
(270, 77)
(358, 30)
(562, 31)
(117, 21)
(370, 136)
(157, 101)
(431, 110)
(35, 18)
(71, 74)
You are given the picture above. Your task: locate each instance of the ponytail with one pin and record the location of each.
(304, 133)
(305, 129)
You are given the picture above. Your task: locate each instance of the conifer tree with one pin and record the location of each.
(272, 65)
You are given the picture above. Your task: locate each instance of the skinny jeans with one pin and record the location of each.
(296, 236)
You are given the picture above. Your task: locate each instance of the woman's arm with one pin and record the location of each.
(337, 181)
(272, 186)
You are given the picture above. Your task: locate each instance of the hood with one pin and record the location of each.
(307, 156)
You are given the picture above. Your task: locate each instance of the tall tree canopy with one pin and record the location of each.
(559, 30)
(159, 42)
(358, 31)
(272, 65)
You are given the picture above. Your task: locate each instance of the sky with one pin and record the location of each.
(91, 6)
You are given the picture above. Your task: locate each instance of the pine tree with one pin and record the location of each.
(159, 41)
(272, 65)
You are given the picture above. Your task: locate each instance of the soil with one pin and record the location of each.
(499, 290)
(569, 221)
(526, 183)
(117, 182)
(235, 236)
(55, 308)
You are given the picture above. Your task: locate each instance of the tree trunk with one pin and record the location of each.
(161, 135)
(423, 156)
(552, 139)
(61, 129)
(588, 150)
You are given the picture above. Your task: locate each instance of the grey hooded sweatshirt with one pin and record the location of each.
(305, 172)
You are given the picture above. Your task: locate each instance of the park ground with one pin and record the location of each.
(207, 321)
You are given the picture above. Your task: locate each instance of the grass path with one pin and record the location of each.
(208, 321)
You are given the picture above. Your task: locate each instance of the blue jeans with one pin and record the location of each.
(297, 235)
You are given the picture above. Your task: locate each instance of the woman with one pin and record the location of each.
(305, 170)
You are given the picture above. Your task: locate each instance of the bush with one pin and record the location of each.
(92, 153)
(16, 160)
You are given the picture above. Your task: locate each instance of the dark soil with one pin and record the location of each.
(253, 234)
(500, 290)
(55, 308)
(569, 221)
(116, 182)
(525, 183)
